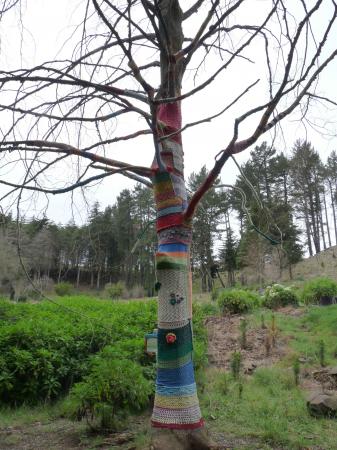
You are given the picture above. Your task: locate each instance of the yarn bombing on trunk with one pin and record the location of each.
(176, 402)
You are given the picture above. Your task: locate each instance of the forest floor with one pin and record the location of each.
(263, 410)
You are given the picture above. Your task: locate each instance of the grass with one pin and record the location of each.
(271, 410)
(306, 331)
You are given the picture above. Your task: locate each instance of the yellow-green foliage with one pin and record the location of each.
(237, 301)
(319, 287)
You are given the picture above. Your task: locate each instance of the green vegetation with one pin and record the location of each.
(46, 348)
(114, 290)
(94, 348)
(277, 295)
(237, 301)
(64, 288)
(270, 413)
(94, 363)
(317, 288)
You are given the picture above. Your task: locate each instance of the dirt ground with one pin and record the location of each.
(225, 337)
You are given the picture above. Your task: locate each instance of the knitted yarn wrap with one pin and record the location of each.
(176, 402)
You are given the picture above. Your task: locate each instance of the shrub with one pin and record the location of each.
(63, 288)
(114, 290)
(317, 288)
(237, 301)
(276, 296)
(112, 390)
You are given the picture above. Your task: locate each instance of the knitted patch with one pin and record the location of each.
(173, 282)
(178, 349)
(173, 150)
(176, 377)
(189, 389)
(171, 260)
(177, 402)
(183, 415)
(172, 364)
(174, 235)
(174, 247)
(178, 426)
(169, 221)
(175, 324)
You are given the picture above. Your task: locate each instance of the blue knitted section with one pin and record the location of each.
(166, 248)
(170, 210)
(176, 390)
(181, 376)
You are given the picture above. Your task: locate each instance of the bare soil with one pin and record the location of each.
(262, 348)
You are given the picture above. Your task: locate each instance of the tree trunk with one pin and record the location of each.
(322, 227)
(98, 280)
(333, 210)
(176, 404)
(307, 229)
(326, 217)
(78, 276)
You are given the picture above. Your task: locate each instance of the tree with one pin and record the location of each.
(331, 173)
(306, 174)
(228, 256)
(206, 226)
(131, 63)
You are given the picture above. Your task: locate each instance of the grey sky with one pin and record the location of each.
(45, 26)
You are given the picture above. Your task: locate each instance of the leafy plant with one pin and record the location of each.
(112, 390)
(317, 288)
(236, 363)
(63, 288)
(276, 296)
(237, 301)
(243, 330)
(321, 353)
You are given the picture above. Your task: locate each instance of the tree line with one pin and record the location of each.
(283, 205)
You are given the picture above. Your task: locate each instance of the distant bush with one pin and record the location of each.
(114, 290)
(317, 288)
(276, 296)
(237, 301)
(63, 288)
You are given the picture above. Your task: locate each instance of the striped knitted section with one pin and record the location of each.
(176, 402)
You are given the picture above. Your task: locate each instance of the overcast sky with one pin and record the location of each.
(45, 26)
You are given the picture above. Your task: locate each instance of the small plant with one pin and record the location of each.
(321, 353)
(237, 301)
(114, 290)
(112, 390)
(263, 323)
(243, 329)
(223, 383)
(276, 296)
(240, 390)
(236, 362)
(296, 371)
(273, 330)
(317, 289)
(63, 288)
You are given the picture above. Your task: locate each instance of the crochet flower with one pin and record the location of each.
(171, 338)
